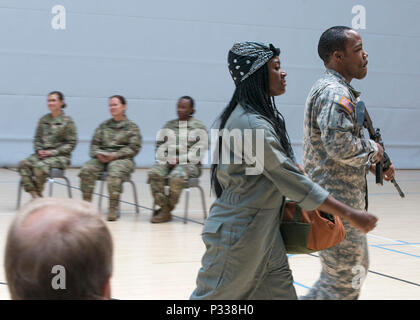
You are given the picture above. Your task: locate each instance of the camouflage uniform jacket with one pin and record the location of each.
(190, 125)
(122, 138)
(57, 135)
(336, 155)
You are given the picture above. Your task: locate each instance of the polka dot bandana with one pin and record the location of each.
(247, 57)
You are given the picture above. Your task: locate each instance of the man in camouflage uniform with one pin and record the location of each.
(114, 145)
(172, 174)
(54, 141)
(337, 156)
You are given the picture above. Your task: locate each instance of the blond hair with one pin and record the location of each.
(51, 232)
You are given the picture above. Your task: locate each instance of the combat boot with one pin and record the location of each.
(163, 215)
(39, 191)
(113, 209)
(34, 194)
(87, 196)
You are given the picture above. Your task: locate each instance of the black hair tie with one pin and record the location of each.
(275, 50)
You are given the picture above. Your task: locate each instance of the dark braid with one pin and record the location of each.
(253, 94)
(282, 132)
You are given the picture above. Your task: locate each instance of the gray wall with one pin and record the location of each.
(152, 52)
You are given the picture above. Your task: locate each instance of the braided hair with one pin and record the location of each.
(253, 94)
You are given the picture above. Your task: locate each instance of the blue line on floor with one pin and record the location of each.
(402, 252)
(297, 283)
(396, 244)
(390, 193)
(301, 285)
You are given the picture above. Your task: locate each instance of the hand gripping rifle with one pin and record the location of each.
(363, 119)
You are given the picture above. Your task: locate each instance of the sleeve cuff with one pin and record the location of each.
(314, 198)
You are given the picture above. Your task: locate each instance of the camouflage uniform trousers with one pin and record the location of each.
(118, 171)
(35, 171)
(177, 181)
(344, 268)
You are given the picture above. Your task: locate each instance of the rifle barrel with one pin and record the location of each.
(376, 136)
(402, 195)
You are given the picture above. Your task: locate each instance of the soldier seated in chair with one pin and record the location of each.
(175, 171)
(54, 141)
(114, 145)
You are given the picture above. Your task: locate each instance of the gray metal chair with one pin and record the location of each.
(103, 177)
(192, 183)
(55, 173)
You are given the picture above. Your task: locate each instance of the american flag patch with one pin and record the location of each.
(347, 104)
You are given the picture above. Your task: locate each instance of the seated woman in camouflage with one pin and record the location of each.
(54, 141)
(175, 173)
(114, 145)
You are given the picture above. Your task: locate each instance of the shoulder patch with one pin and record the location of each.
(346, 104)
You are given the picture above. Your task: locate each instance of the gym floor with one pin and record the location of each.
(161, 261)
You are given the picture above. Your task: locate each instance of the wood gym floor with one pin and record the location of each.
(161, 261)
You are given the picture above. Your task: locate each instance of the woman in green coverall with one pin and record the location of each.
(245, 256)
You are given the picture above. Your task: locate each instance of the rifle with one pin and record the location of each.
(363, 118)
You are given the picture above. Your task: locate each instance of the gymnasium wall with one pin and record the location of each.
(153, 52)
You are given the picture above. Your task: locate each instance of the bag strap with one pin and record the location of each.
(283, 205)
(298, 214)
